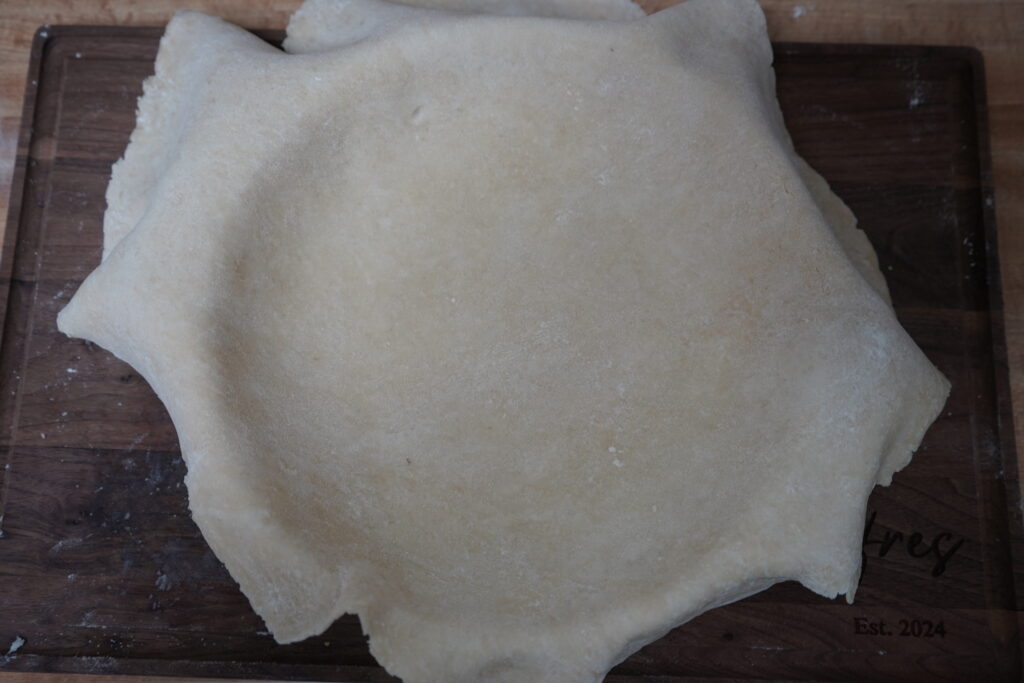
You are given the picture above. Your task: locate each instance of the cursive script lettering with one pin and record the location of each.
(914, 545)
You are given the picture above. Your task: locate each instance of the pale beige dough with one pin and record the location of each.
(526, 339)
(327, 24)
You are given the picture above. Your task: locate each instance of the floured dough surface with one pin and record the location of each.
(327, 24)
(524, 338)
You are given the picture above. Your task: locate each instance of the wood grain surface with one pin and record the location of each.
(960, 493)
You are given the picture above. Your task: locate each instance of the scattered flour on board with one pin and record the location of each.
(163, 582)
(917, 95)
(15, 645)
(65, 543)
(802, 9)
(136, 441)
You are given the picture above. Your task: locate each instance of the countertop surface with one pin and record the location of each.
(996, 28)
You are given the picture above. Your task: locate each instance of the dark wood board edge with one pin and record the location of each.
(25, 135)
(110, 666)
(965, 52)
(16, 207)
(1003, 488)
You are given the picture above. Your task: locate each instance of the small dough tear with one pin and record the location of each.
(524, 338)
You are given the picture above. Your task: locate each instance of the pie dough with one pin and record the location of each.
(527, 339)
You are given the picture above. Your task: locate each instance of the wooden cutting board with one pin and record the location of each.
(103, 571)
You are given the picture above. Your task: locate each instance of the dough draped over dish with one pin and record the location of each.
(525, 338)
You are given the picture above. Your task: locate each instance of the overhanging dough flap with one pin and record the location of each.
(525, 338)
